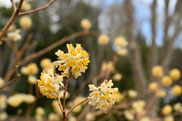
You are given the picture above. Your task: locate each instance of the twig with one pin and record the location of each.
(13, 80)
(76, 106)
(12, 19)
(60, 105)
(38, 9)
(13, 4)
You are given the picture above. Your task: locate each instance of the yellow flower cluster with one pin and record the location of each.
(26, 6)
(25, 22)
(108, 66)
(102, 97)
(138, 107)
(50, 85)
(121, 44)
(167, 110)
(47, 65)
(86, 24)
(175, 74)
(177, 90)
(18, 99)
(117, 77)
(40, 112)
(13, 33)
(132, 93)
(103, 39)
(74, 62)
(177, 107)
(157, 71)
(54, 117)
(30, 69)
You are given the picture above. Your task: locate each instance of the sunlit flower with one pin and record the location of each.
(166, 110)
(167, 80)
(129, 115)
(153, 86)
(75, 61)
(175, 74)
(103, 39)
(3, 116)
(46, 63)
(169, 118)
(157, 71)
(86, 24)
(32, 79)
(117, 77)
(50, 85)
(25, 6)
(102, 97)
(53, 117)
(121, 42)
(14, 36)
(132, 93)
(176, 90)
(25, 22)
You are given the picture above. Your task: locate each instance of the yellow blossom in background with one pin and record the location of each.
(153, 86)
(167, 81)
(32, 79)
(103, 39)
(132, 93)
(161, 93)
(12, 28)
(138, 106)
(55, 105)
(25, 22)
(3, 116)
(175, 74)
(117, 77)
(18, 99)
(1, 82)
(178, 107)
(3, 100)
(40, 112)
(26, 6)
(176, 90)
(90, 117)
(157, 71)
(129, 115)
(167, 110)
(145, 119)
(50, 85)
(122, 51)
(119, 97)
(14, 36)
(86, 24)
(46, 63)
(53, 117)
(121, 42)
(107, 66)
(102, 97)
(30, 69)
(169, 118)
(75, 61)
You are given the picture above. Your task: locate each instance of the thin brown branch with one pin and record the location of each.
(13, 4)
(12, 19)
(54, 45)
(77, 105)
(13, 80)
(60, 105)
(38, 9)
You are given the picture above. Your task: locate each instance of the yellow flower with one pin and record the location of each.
(178, 107)
(53, 117)
(138, 106)
(167, 80)
(153, 86)
(157, 71)
(75, 61)
(14, 36)
(175, 74)
(117, 77)
(50, 85)
(32, 79)
(132, 93)
(169, 118)
(166, 110)
(3, 116)
(121, 42)
(85, 24)
(161, 93)
(176, 90)
(25, 22)
(119, 97)
(45, 63)
(102, 97)
(40, 111)
(122, 51)
(129, 115)
(32, 69)
(108, 66)
(103, 39)
(25, 6)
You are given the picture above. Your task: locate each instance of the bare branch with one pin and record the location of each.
(12, 19)
(13, 4)
(38, 9)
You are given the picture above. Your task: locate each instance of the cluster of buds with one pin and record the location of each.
(121, 45)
